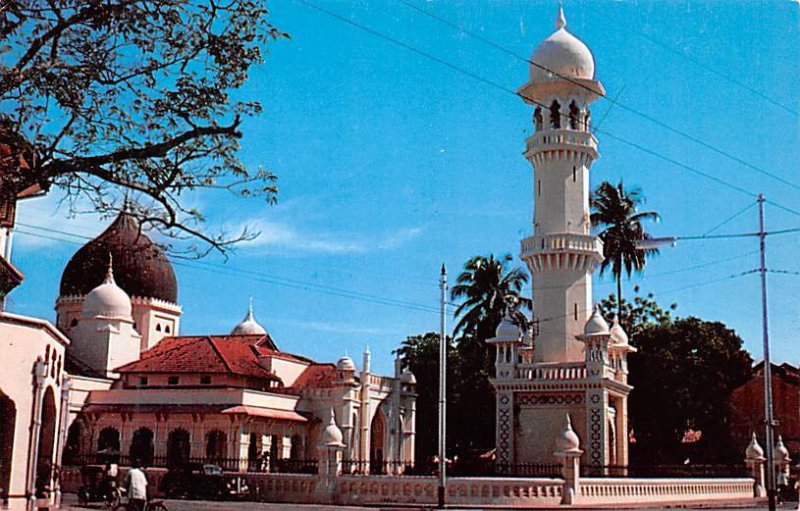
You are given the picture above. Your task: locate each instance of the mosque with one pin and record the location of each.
(115, 380)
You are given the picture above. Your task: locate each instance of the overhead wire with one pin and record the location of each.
(615, 102)
(503, 88)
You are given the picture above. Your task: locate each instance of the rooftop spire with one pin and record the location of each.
(110, 271)
(561, 21)
(250, 316)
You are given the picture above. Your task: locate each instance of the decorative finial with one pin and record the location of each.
(250, 307)
(110, 272)
(561, 21)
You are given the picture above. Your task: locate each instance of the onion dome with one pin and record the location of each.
(568, 442)
(331, 436)
(140, 267)
(562, 55)
(754, 451)
(345, 364)
(249, 325)
(618, 333)
(781, 452)
(408, 377)
(595, 325)
(507, 330)
(107, 299)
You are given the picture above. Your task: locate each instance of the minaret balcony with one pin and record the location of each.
(568, 140)
(567, 251)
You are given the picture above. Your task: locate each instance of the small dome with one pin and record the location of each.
(345, 364)
(568, 442)
(107, 299)
(595, 325)
(618, 333)
(331, 436)
(562, 54)
(754, 451)
(781, 452)
(408, 377)
(249, 325)
(507, 329)
(141, 267)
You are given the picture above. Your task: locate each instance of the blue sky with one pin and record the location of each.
(390, 164)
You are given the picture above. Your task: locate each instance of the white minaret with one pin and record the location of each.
(562, 253)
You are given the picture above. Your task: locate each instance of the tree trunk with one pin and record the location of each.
(619, 297)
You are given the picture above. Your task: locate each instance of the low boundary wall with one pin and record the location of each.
(469, 491)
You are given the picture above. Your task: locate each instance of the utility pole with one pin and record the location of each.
(442, 386)
(768, 419)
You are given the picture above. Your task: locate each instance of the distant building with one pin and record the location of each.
(747, 407)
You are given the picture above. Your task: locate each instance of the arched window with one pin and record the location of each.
(555, 115)
(73, 323)
(74, 448)
(158, 327)
(108, 444)
(216, 447)
(537, 118)
(167, 329)
(178, 447)
(587, 121)
(574, 116)
(142, 449)
(8, 420)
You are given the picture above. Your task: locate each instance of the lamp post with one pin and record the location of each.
(769, 422)
(442, 388)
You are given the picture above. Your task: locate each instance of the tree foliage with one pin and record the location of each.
(134, 95)
(616, 210)
(636, 315)
(682, 376)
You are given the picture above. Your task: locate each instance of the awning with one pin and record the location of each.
(151, 408)
(269, 413)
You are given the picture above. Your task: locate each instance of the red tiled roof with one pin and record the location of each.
(316, 375)
(222, 354)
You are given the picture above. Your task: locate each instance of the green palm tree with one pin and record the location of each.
(483, 287)
(615, 210)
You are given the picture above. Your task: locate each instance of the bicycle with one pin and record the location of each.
(150, 505)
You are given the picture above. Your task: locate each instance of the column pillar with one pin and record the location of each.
(504, 430)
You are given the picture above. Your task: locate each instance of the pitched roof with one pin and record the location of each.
(316, 375)
(223, 354)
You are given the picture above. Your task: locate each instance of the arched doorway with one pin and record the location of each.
(178, 447)
(108, 445)
(216, 445)
(8, 419)
(142, 448)
(376, 442)
(74, 447)
(47, 441)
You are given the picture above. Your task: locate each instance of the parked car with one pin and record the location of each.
(203, 481)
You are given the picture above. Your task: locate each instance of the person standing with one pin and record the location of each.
(136, 482)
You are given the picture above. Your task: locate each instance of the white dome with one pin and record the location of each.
(107, 299)
(562, 54)
(408, 377)
(568, 442)
(595, 325)
(507, 329)
(618, 333)
(345, 364)
(249, 325)
(754, 451)
(331, 436)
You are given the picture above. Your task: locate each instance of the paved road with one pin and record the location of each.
(70, 504)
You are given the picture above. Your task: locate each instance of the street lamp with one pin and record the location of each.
(769, 422)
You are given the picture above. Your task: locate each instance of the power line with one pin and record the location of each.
(621, 105)
(503, 88)
(730, 219)
(698, 63)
